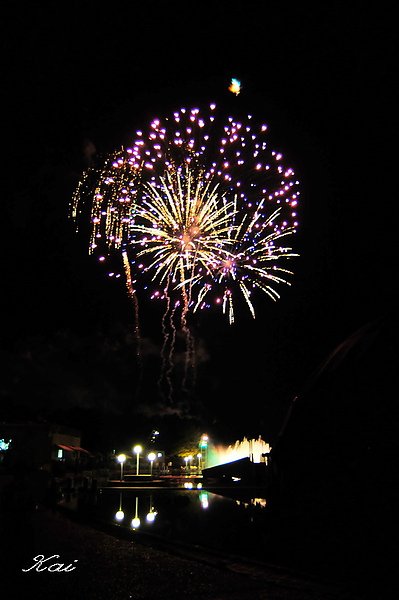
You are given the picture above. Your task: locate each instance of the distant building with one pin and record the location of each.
(41, 445)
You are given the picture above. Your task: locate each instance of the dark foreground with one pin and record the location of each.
(113, 568)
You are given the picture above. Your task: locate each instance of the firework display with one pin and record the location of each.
(201, 208)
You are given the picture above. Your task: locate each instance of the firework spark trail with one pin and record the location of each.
(165, 358)
(168, 374)
(189, 354)
(132, 295)
(136, 328)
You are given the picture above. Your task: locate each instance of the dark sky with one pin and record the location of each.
(77, 72)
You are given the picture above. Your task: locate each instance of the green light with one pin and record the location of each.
(4, 445)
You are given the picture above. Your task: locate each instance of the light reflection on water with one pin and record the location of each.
(237, 525)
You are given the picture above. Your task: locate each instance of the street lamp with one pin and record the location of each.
(137, 450)
(151, 457)
(121, 459)
(204, 440)
(187, 459)
(204, 448)
(199, 456)
(161, 459)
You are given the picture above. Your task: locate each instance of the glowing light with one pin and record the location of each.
(204, 499)
(121, 458)
(4, 445)
(137, 450)
(204, 441)
(255, 449)
(135, 523)
(150, 518)
(151, 457)
(235, 86)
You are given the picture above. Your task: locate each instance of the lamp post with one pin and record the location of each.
(121, 459)
(161, 459)
(137, 450)
(204, 448)
(151, 457)
(187, 460)
(199, 456)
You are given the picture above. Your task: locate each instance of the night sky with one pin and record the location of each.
(81, 77)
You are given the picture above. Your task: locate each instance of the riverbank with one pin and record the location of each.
(105, 566)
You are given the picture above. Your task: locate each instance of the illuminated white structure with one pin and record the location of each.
(254, 449)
